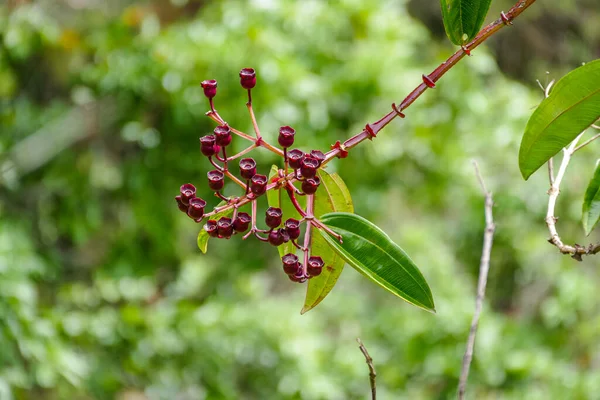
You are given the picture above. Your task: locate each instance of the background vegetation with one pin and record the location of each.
(103, 292)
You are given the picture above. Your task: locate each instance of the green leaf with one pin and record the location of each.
(573, 105)
(371, 252)
(280, 199)
(463, 18)
(203, 235)
(333, 195)
(591, 203)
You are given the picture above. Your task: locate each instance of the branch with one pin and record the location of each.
(484, 267)
(372, 373)
(370, 131)
(576, 251)
(429, 81)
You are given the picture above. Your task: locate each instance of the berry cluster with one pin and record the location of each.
(299, 168)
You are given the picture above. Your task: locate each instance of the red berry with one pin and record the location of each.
(308, 166)
(318, 154)
(286, 136)
(210, 88)
(273, 217)
(258, 184)
(216, 180)
(248, 78)
(290, 264)
(295, 157)
(188, 192)
(314, 266)
(211, 228)
(247, 168)
(225, 227)
(182, 207)
(242, 222)
(310, 185)
(292, 226)
(222, 135)
(196, 208)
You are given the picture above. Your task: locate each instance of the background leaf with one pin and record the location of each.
(371, 252)
(463, 18)
(333, 195)
(591, 203)
(573, 105)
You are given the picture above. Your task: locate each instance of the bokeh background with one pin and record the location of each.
(103, 292)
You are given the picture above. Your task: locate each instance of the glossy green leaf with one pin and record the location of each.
(463, 18)
(203, 236)
(573, 105)
(591, 203)
(333, 195)
(280, 199)
(371, 252)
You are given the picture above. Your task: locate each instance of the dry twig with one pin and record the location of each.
(372, 373)
(484, 267)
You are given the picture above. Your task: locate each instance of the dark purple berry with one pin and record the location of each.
(258, 184)
(225, 227)
(248, 78)
(273, 217)
(208, 141)
(308, 166)
(275, 237)
(216, 180)
(182, 207)
(318, 154)
(292, 226)
(210, 88)
(196, 208)
(211, 228)
(208, 145)
(247, 168)
(310, 185)
(299, 277)
(222, 135)
(278, 236)
(290, 264)
(242, 222)
(286, 136)
(295, 157)
(314, 266)
(188, 192)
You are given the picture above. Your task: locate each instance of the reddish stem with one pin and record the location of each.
(371, 130)
(253, 118)
(290, 190)
(310, 203)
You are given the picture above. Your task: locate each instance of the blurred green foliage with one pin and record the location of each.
(103, 292)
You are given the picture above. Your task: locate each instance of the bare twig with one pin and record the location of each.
(576, 251)
(484, 267)
(372, 373)
(590, 140)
